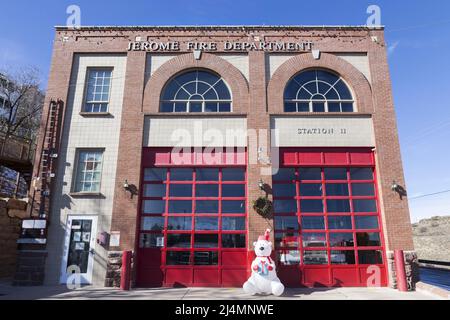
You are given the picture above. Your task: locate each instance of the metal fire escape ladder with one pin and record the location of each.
(49, 155)
(34, 230)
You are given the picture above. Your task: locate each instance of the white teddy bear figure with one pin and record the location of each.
(264, 277)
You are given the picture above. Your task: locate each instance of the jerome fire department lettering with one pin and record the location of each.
(173, 46)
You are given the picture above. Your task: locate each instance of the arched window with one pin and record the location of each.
(196, 91)
(317, 91)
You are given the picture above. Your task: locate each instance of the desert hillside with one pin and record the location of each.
(432, 238)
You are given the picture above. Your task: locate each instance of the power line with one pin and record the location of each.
(430, 194)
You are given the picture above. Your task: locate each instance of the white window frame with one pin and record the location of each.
(86, 89)
(203, 101)
(75, 170)
(325, 101)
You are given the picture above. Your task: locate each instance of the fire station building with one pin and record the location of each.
(183, 144)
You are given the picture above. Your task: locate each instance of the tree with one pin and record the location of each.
(23, 102)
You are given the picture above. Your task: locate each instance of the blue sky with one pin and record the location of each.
(417, 32)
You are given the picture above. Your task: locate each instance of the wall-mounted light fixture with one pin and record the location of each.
(399, 189)
(131, 188)
(261, 185)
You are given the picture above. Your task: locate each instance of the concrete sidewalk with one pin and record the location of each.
(8, 292)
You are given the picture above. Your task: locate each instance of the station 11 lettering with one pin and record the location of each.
(323, 131)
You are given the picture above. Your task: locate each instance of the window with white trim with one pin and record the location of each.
(317, 91)
(98, 89)
(88, 170)
(196, 91)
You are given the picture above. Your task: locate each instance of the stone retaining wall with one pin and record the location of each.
(113, 269)
(30, 269)
(411, 269)
(9, 233)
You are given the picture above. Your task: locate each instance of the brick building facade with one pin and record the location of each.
(240, 102)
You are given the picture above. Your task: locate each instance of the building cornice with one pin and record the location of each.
(221, 28)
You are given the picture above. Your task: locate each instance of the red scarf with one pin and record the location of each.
(268, 258)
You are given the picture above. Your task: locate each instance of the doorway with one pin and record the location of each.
(78, 258)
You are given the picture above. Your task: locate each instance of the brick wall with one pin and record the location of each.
(83, 132)
(256, 96)
(395, 211)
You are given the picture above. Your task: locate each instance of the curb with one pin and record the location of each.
(430, 289)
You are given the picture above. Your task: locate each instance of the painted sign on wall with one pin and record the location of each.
(174, 46)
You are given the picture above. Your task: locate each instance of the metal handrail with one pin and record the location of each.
(438, 263)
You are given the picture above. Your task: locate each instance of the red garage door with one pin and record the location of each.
(327, 223)
(193, 222)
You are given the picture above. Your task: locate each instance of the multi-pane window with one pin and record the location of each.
(79, 246)
(196, 91)
(193, 213)
(88, 171)
(326, 216)
(98, 89)
(317, 91)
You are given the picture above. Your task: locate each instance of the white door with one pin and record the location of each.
(79, 244)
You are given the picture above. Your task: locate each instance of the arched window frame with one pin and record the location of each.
(226, 104)
(326, 102)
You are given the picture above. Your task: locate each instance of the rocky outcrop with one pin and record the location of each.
(432, 238)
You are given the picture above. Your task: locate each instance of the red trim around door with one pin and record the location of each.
(329, 228)
(192, 226)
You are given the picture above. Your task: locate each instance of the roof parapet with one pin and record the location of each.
(221, 27)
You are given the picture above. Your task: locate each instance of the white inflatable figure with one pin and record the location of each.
(264, 277)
